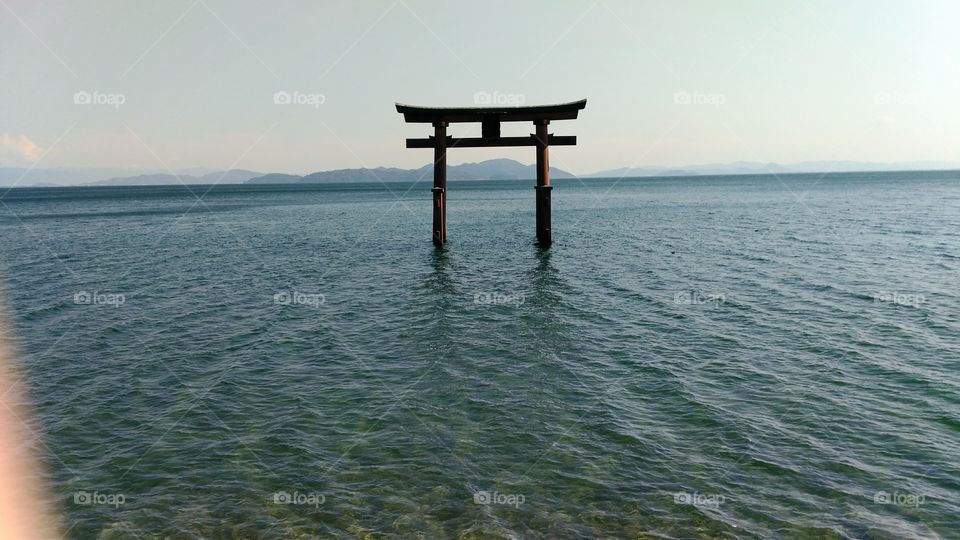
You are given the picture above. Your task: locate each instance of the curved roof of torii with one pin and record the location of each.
(559, 111)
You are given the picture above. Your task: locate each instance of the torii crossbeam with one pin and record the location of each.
(490, 119)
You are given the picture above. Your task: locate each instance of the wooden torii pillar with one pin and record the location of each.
(490, 119)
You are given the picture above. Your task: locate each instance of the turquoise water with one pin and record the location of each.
(717, 357)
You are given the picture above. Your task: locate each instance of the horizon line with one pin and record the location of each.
(466, 180)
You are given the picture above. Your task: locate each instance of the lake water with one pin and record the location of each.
(714, 357)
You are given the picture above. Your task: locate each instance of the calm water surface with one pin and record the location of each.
(735, 357)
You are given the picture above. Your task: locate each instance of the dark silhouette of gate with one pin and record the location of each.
(490, 119)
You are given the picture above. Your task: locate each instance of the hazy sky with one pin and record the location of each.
(189, 83)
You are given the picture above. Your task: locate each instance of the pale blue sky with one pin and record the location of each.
(782, 81)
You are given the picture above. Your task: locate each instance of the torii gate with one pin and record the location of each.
(490, 119)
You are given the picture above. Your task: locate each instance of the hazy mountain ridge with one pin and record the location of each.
(493, 169)
(74, 176)
(756, 167)
(233, 176)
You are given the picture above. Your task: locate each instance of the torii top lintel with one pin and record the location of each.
(490, 119)
(429, 115)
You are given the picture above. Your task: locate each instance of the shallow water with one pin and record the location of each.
(734, 357)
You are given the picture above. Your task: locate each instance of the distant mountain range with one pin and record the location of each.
(233, 176)
(756, 167)
(493, 169)
(74, 176)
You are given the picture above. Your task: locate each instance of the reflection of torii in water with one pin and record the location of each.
(490, 119)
